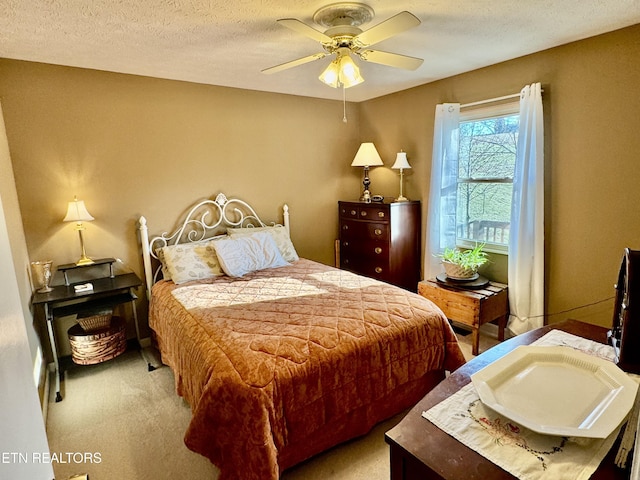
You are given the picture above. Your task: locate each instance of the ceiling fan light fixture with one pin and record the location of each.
(344, 37)
(342, 72)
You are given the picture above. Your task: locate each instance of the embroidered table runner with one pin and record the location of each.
(523, 453)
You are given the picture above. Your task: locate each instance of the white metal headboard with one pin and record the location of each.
(204, 220)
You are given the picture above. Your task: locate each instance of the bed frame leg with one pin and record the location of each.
(152, 357)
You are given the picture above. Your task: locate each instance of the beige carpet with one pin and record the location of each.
(128, 424)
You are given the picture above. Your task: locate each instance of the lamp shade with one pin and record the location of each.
(77, 212)
(349, 72)
(330, 74)
(343, 71)
(401, 161)
(367, 156)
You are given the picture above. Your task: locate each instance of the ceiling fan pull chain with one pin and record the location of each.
(344, 104)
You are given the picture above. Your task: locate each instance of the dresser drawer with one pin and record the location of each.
(372, 212)
(364, 231)
(377, 270)
(371, 251)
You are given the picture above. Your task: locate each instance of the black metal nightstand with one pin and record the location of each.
(64, 300)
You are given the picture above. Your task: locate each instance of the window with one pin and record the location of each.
(486, 164)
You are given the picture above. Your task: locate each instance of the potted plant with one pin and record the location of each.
(463, 264)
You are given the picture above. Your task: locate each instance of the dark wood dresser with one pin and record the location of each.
(382, 241)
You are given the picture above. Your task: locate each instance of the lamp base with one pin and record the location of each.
(366, 197)
(402, 199)
(84, 261)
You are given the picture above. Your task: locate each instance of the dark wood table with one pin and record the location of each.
(420, 450)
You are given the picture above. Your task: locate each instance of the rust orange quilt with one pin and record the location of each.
(284, 363)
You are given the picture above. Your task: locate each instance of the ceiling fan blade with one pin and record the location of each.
(304, 29)
(390, 59)
(390, 27)
(294, 63)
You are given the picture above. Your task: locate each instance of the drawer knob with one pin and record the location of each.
(381, 214)
(346, 244)
(378, 269)
(363, 213)
(378, 250)
(346, 261)
(353, 212)
(345, 227)
(377, 231)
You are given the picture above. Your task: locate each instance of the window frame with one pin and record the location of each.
(485, 112)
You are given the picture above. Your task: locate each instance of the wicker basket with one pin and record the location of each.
(457, 272)
(88, 348)
(97, 321)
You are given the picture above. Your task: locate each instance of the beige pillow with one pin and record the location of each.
(279, 234)
(191, 261)
(165, 271)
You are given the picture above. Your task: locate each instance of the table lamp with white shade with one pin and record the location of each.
(77, 212)
(367, 156)
(401, 164)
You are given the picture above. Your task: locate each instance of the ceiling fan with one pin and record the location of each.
(343, 37)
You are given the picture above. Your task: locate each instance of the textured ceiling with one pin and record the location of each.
(223, 42)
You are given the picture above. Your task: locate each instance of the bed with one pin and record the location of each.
(281, 357)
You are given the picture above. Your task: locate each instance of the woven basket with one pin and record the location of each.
(457, 272)
(98, 346)
(95, 322)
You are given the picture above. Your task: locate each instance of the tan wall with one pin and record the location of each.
(591, 104)
(132, 145)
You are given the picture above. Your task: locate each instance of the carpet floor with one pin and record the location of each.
(119, 421)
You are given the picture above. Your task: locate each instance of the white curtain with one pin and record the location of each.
(526, 237)
(441, 218)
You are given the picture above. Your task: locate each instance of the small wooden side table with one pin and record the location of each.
(470, 307)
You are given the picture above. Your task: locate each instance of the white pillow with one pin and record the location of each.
(248, 253)
(279, 234)
(191, 261)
